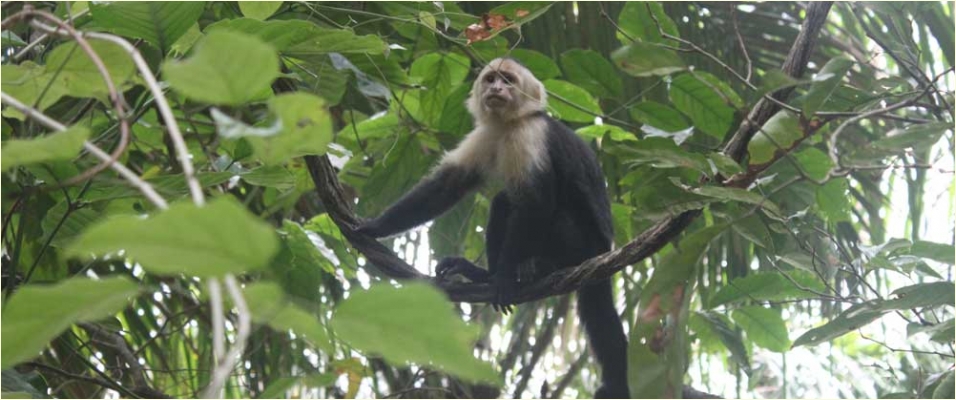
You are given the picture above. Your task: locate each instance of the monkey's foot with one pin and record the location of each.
(506, 287)
(451, 266)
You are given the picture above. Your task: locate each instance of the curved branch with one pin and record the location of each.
(597, 268)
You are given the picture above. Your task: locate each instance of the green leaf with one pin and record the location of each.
(80, 75)
(916, 136)
(431, 332)
(591, 71)
(373, 128)
(440, 74)
(725, 165)
(455, 118)
(741, 195)
(226, 68)
(921, 295)
(824, 83)
(56, 146)
(848, 321)
(779, 133)
(542, 66)
(27, 82)
(561, 96)
(663, 153)
(66, 229)
(764, 326)
(615, 133)
(300, 266)
(726, 92)
(659, 116)
(943, 330)
(731, 338)
(159, 23)
(833, 200)
(302, 39)
(645, 59)
(636, 23)
(709, 112)
(219, 238)
(274, 177)
(306, 129)
(403, 167)
(37, 314)
(11, 39)
(769, 286)
(943, 253)
(269, 306)
(683, 262)
(259, 10)
(944, 390)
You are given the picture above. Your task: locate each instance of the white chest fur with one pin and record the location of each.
(510, 152)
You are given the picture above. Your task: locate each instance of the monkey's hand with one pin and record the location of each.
(506, 287)
(451, 266)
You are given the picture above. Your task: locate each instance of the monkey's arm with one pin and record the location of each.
(430, 198)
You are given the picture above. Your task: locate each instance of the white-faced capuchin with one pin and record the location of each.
(552, 213)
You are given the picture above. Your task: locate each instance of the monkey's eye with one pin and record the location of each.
(490, 78)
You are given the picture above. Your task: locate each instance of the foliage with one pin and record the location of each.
(830, 244)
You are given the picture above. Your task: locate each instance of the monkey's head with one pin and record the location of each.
(505, 90)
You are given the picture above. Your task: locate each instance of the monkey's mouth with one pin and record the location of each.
(495, 100)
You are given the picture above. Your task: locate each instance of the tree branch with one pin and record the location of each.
(597, 268)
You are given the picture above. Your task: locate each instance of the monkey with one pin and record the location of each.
(553, 211)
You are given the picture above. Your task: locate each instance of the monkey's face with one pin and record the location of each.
(498, 89)
(505, 90)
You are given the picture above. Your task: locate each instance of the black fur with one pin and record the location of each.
(561, 218)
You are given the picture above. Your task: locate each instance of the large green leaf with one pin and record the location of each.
(159, 23)
(567, 100)
(36, 314)
(79, 74)
(769, 286)
(402, 168)
(916, 136)
(542, 66)
(705, 107)
(56, 146)
(663, 153)
(31, 84)
(591, 71)
(944, 253)
(306, 129)
(824, 83)
(764, 326)
(659, 116)
(455, 118)
(219, 238)
(779, 133)
(430, 332)
(719, 325)
(228, 68)
(741, 195)
(921, 295)
(848, 321)
(636, 22)
(646, 59)
(302, 39)
(259, 10)
(439, 74)
(269, 306)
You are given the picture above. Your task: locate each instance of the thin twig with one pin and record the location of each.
(121, 169)
(224, 369)
(740, 41)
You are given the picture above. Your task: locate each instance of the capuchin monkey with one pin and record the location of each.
(552, 213)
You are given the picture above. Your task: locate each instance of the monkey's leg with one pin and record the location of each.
(494, 241)
(606, 336)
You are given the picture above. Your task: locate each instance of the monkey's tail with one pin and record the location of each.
(606, 336)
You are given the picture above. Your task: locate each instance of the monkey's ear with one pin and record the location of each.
(538, 93)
